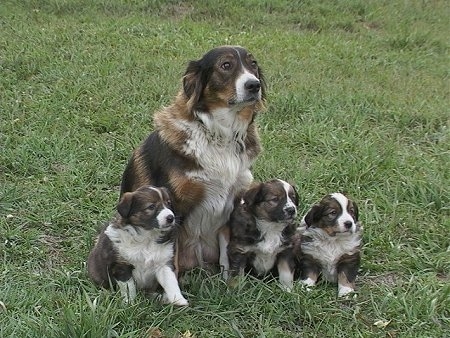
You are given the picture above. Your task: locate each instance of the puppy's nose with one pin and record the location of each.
(252, 86)
(348, 224)
(170, 219)
(290, 211)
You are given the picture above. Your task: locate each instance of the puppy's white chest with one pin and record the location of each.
(142, 251)
(328, 250)
(266, 253)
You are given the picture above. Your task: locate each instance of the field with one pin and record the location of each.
(358, 101)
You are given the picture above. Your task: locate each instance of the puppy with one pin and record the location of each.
(260, 230)
(330, 243)
(202, 148)
(136, 249)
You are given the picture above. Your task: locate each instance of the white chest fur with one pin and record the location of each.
(267, 250)
(327, 250)
(142, 251)
(224, 170)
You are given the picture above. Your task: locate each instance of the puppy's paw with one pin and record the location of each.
(178, 301)
(344, 290)
(308, 284)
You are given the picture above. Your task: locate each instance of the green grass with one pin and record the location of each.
(358, 101)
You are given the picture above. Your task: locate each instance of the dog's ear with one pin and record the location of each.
(313, 215)
(253, 195)
(193, 84)
(125, 205)
(262, 81)
(355, 206)
(296, 197)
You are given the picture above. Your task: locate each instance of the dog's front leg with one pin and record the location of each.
(172, 294)
(286, 273)
(127, 290)
(347, 269)
(224, 239)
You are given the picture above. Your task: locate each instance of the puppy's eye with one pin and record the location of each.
(254, 64)
(225, 65)
(151, 207)
(169, 203)
(332, 213)
(274, 200)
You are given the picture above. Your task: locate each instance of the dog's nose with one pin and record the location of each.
(170, 219)
(290, 211)
(348, 224)
(252, 86)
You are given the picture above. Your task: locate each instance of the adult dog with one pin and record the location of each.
(202, 148)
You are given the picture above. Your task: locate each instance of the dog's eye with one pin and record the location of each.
(254, 64)
(151, 207)
(225, 65)
(332, 213)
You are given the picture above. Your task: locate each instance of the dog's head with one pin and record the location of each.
(335, 213)
(225, 77)
(148, 207)
(273, 201)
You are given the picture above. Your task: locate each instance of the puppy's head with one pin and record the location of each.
(273, 201)
(224, 77)
(148, 207)
(335, 213)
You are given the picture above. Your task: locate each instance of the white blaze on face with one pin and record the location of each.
(241, 92)
(345, 216)
(289, 202)
(164, 213)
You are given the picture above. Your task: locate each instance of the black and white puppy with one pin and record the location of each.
(136, 249)
(330, 243)
(259, 232)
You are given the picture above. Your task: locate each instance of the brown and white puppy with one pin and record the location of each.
(136, 249)
(202, 148)
(260, 230)
(330, 243)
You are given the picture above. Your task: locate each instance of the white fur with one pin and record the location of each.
(151, 260)
(127, 290)
(223, 258)
(345, 216)
(344, 290)
(162, 217)
(329, 249)
(267, 250)
(308, 282)
(225, 171)
(241, 92)
(289, 202)
(285, 275)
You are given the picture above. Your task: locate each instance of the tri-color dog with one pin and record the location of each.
(330, 243)
(202, 148)
(136, 249)
(260, 230)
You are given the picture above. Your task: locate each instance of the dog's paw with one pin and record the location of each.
(308, 284)
(344, 291)
(178, 301)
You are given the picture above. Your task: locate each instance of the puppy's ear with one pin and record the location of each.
(193, 84)
(125, 205)
(295, 195)
(355, 206)
(313, 215)
(253, 195)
